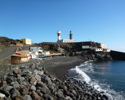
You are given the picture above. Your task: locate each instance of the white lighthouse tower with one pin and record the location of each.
(59, 35)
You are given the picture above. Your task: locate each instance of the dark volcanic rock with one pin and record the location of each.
(45, 90)
(33, 83)
(18, 98)
(6, 90)
(16, 71)
(35, 96)
(27, 97)
(40, 84)
(14, 92)
(33, 88)
(24, 91)
(32, 80)
(3, 83)
(16, 85)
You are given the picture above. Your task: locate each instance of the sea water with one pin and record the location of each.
(107, 77)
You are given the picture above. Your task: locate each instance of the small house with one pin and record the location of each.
(33, 55)
(86, 47)
(19, 57)
(98, 49)
(106, 50)
(34, 49)
(46, 53)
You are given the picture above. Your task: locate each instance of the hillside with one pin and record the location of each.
(68, 48)
(5, 42)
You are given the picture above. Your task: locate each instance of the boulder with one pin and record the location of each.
(33, 88)
(35, 96)
(8, 98)
(27, 97)
(32, 80)
(24, 91)
(21, 78)
(16, 71)
(71, 86)
(9, 80)
(60, 94)
(45, 90)
(51, 87)
(74, 92)
(69, 93)
(68, 98)
(32, 66)
(3, 83)
(39, 72)
(48, 97)
(2, 95)
(38, 77)
(40, 84)
(39, 68)
(6, 90)
(14, 92)
(16, 85)
(48, 80)
(18, 98)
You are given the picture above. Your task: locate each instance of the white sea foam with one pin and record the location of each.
(84, 75)
(82, 69)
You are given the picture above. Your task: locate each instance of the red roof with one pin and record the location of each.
(22, 54)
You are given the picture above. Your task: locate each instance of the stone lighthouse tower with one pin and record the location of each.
(70, 35)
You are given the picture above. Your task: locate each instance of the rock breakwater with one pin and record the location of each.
(33, 82)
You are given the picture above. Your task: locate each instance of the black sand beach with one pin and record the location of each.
(59, 66)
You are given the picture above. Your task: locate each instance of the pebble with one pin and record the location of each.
(2, 95)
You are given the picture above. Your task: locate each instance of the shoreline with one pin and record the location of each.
(45, 81)
(59, 66)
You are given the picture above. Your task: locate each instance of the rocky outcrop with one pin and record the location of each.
(97, 57)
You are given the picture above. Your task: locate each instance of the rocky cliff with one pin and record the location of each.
(71, 49)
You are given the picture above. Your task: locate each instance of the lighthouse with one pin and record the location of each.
(59, 35)
(70, 35)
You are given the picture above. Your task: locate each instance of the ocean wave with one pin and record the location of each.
(81, 74)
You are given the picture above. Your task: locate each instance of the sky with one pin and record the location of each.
(100, 21)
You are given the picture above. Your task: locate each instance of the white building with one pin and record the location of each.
(98, 49)
(102, 45)
(33, 49)
(86, 47)
(66, 41)
(46, 53)
(106, 50)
